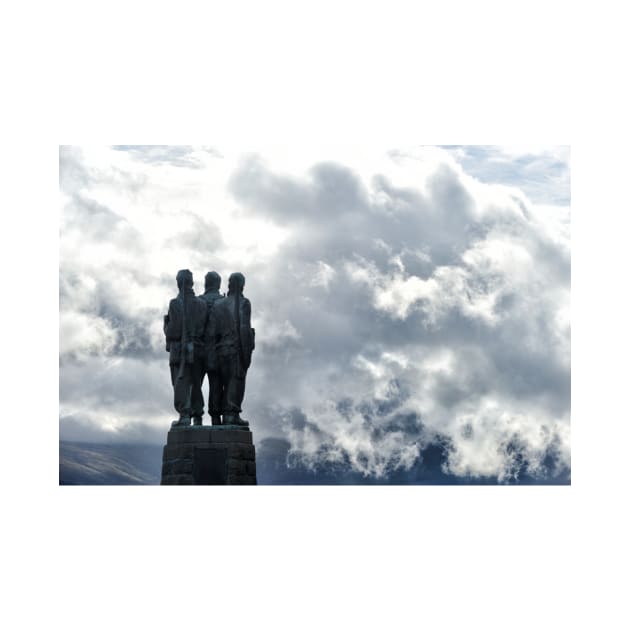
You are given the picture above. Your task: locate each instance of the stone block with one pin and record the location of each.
(178, 451)
(242, 451)
(236, 467)
(206, 450)
(231, 437)
(177, 480)
(177, 467)
(207, 435)
(191, 435)
(210, 466)
(208, 455)
(242, 480)
(180, 466)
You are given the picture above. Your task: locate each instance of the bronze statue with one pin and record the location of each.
(234, 344)
(185, 328)
(211, 367)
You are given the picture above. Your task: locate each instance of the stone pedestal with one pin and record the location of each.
(209, 455)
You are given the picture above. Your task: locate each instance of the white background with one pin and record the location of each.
(268, 74)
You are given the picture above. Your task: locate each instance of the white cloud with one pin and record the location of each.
(323, 275)
(81, 334)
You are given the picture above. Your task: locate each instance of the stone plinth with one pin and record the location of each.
(209, 455)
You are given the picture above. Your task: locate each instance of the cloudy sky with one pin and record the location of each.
(401, 298)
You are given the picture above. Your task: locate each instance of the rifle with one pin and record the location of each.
(238, 329)
(168, 343)
(187, 350)
(250, 336)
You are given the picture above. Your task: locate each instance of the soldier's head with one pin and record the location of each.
(236, 282)
(184, 279)
(213, 281)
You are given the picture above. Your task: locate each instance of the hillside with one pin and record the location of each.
(109, 464)
(140, 464)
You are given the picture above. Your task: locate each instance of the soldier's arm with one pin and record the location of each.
(170, 329)
(168, 343)
(246, 318)
(247, 332)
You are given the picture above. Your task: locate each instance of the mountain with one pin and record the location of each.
(109, 464)
(276, 466)
(140, 464)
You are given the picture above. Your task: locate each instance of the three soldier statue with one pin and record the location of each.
(209, 335)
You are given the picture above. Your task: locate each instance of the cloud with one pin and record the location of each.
(180, 156)
(398, 304)
(543, 173)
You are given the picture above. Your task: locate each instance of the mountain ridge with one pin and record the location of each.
(87, 463)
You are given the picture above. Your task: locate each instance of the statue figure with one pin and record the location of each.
(211, 367)
(234, 346)
(185, 328)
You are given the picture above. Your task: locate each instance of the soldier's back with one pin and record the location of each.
(196, 316)
(223, 311)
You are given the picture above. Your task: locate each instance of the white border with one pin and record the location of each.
(281, 73)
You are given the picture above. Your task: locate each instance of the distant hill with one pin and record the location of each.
(276, 466)
(109, 464)
(140, 464)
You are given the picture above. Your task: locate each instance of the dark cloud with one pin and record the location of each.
(334, 216)
(95, 221)
(511, 354)
(98, 296)
(330, 191)
(196, 234)
(277, 466)
(300, 422)
(81, 428)
(141, 394)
